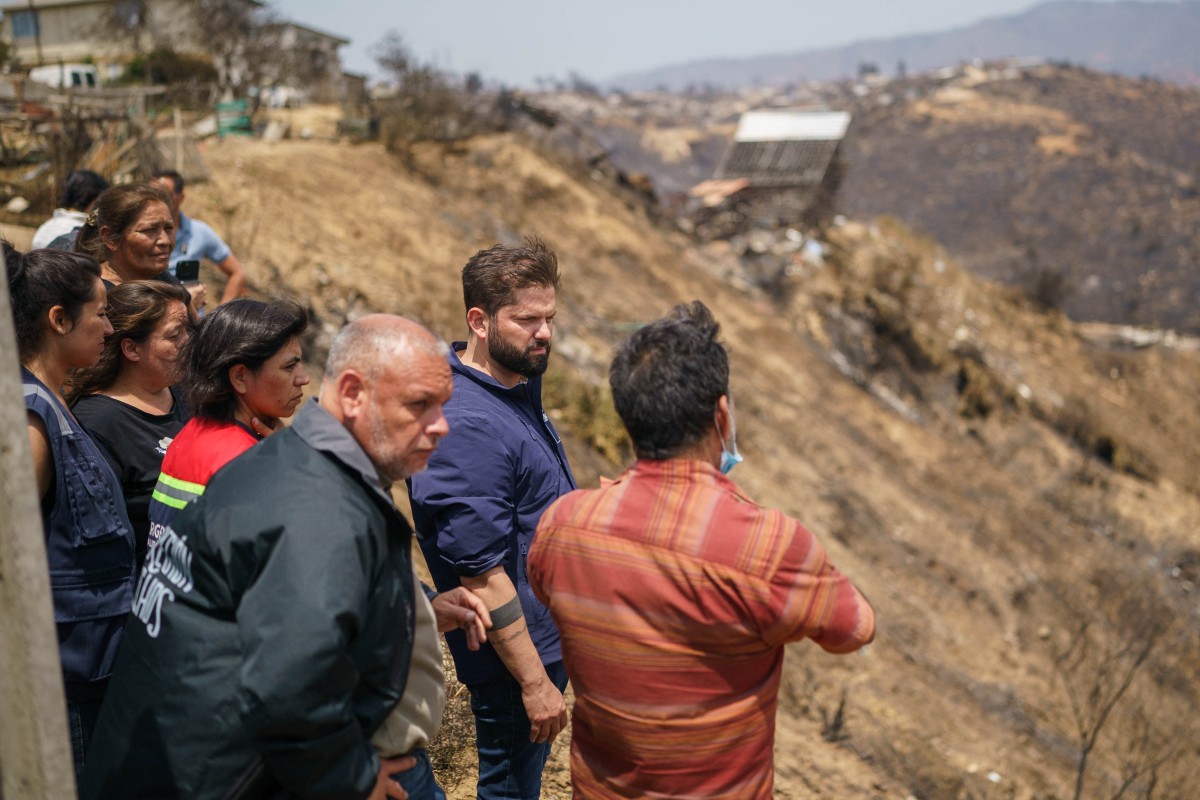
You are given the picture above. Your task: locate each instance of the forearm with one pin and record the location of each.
(512, 642)
(235, 286)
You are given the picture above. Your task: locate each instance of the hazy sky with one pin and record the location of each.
(518, 41)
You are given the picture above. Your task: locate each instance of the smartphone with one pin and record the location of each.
(188, 270)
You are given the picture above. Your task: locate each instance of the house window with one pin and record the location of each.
(25, 24)
(131, 14)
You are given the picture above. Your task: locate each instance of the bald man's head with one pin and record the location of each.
(377, 339)
(386, 380)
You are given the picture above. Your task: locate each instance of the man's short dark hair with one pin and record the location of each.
(666, 380)
(176, 178)
(80, 188)
(492, 278)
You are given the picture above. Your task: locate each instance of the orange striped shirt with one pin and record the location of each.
(674, 594)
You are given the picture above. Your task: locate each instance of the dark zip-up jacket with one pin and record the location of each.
(271, 632)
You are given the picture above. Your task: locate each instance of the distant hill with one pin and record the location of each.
(1070, 182)
(1128, 38)
(1080, 186)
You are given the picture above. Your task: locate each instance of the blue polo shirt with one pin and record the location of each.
(196, 240)
(478, 503)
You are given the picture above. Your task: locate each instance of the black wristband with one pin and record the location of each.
(506, 614)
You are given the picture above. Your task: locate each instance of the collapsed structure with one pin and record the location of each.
(781, 169)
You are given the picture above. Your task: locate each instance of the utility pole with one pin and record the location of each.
(35, 754)
(37, 31)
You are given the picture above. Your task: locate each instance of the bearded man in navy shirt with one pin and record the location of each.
(476, 507)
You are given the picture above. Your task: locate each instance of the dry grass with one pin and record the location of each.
(954, 517)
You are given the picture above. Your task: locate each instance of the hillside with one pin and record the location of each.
(1044, 172)
(991, 480)
(1127, 38)
(1076, 185)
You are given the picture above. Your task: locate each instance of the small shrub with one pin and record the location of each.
(978, 391)
(1046, 287)
(588, 412)
(833, 726)
(165, 66)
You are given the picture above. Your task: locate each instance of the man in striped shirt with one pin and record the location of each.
(674, 593)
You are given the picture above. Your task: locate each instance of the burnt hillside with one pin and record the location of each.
(996, 484)
(1080, 186)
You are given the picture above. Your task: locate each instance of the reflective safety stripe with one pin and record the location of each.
(185, 486)
(166, 500)
(176, 493)
(64, 424)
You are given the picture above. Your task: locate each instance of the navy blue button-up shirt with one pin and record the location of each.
(477, 504)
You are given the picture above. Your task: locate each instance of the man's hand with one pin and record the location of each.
(544, 704)
(459, 608)
(546, 709)
(385, 785)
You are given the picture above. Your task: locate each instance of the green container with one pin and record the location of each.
(233, 119)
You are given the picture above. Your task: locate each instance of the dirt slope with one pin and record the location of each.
(989, 479)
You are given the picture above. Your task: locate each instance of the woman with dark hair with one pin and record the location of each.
(126, 401)
(244, 374)
(58, 304)
(131, 232)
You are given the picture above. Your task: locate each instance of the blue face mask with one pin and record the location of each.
(730, 458)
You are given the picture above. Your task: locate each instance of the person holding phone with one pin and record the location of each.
(130, 231)
(195, 240)
(188, 273)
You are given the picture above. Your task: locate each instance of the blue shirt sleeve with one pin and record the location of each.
(206, 243)
(467, 491)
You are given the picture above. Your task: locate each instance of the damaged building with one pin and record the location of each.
(781, 169)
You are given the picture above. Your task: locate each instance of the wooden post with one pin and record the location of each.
(35, 753)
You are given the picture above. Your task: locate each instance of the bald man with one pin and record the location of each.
(277, 619)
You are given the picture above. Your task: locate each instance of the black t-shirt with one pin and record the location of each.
(134, 442)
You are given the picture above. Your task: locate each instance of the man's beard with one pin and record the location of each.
(519, 361)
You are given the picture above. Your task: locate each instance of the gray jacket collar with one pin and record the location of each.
(318, 428)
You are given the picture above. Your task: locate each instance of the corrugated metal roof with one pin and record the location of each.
(793, 126)
(779, 163)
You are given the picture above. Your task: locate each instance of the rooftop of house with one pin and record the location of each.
(784, 148)
(311, 31)
(807, 126)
